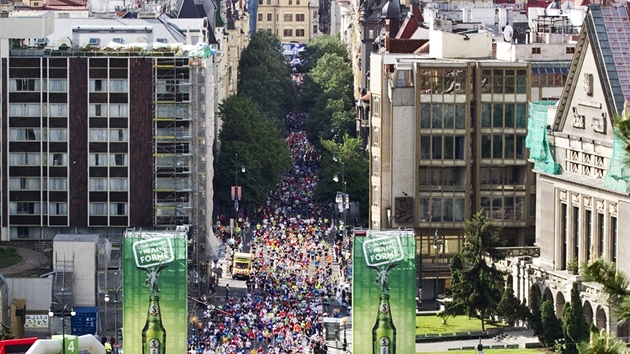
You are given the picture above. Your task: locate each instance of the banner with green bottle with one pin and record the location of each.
(155, 292)
(384, 293)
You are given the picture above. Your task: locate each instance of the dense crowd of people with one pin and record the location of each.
(292, 283)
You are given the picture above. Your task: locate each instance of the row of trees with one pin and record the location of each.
(251, 132)
(478, 290)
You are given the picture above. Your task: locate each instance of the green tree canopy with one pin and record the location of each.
(574, 324)
(511, 308)
(321, 45)
(260, 147)
(480, 284)
(352, 162)
(552, 327)
(328, 100)
(616, 285)
(264, 76)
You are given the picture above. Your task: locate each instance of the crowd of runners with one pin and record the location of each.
(293, 283)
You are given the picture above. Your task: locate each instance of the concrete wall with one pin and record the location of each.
(82, 252)
(36, 291)
(545, 225)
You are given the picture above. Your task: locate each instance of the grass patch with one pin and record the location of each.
(433, 324)
(8, 257)
(493, 351)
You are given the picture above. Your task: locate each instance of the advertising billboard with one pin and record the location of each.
(384, 293)
(155, 292)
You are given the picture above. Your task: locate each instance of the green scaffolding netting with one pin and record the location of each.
(617, 176)
(536, 140)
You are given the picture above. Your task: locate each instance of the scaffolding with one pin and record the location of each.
(536, 141)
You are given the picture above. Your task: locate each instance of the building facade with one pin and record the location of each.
(580, 167)
(292, 20)
(99, 138)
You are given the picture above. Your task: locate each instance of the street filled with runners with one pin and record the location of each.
(292, 284)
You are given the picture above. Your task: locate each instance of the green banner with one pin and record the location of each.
(384, 293)
(155, 292)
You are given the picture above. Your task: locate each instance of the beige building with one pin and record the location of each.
(580, 165)
(291, 20)
(447, 139)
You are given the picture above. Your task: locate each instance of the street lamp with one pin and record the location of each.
(51, 313)
(344, 346)
(436, 244)
(236, 191)
(343, 199)
(116, 291)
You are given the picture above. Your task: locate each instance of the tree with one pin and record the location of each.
(321, 45)
(479, 285)
(355, 168)
(261, 150)
(574, 324)
(327, 98)
(616, 286)
(264, 76)
(535, 318)
(5, 332)
(510, 308)
(552, 327)
(600, 343)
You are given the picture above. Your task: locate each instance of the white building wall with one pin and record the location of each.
(36, 292)
(82, 253)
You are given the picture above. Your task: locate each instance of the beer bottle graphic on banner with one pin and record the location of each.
(153, 333)
(384, 332)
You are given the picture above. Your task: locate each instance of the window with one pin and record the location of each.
(447, 147)
(536, 50)
(376, 196)
(299, 32)
(299, 17)
(576, 233)
(589, 233)
(315, 14)
(290, 2)
(508, 146)
(269, 3)
(564, 220)
(376, 137)
(118, 159)
(504, 115)
(297, 2)
(614, 238)
(57, 85)
(269, 18)
(288, 32)
(58, 159)
(314, 28)
(94, 41)
(260, 2)
(600, 234)
(376, 166)
(58, 134)
(260, 16)
(57, 208)
(448, 209)
(98, 110)
(442, 116)
(118, 134)
(118, 40)
(98, 184)
(98, 159)
(97, 85)
(58, 183)
(57, 110)
(118, 209)
(24, 85)
(24, 208)
(504, 208)
(118, 85)
(288, 17)
(25, 159)
(98, 134)
(24, 183)
(24, 134)
(98, 209)
(25, 109)
(119, 184)
(118, 110)
(435, 178)
(570, 50)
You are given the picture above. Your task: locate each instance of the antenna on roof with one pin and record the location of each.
(508, 33)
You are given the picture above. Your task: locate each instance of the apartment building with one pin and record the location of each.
(104, 127)
(292, 20)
